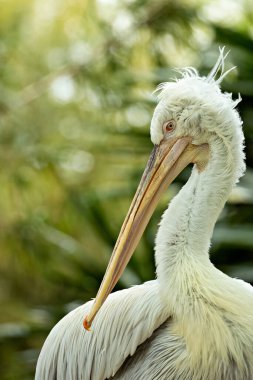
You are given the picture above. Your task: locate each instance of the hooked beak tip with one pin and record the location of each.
(87, 324)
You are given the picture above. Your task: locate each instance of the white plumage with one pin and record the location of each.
(193, 322)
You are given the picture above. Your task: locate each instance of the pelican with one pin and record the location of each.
(193, 322)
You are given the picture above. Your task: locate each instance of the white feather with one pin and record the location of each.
(127, 319)
(193, 322)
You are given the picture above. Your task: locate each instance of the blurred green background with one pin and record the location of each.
(75, 105)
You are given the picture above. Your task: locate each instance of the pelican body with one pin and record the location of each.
(193, 322)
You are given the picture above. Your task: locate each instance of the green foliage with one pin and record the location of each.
(75, 106)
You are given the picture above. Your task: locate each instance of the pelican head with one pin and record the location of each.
(191, 117)
(197, 107)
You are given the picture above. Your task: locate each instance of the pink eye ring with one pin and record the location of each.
(169, 126)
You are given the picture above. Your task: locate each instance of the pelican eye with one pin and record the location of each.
(169, 126)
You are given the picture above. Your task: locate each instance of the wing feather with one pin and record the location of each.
(126, 320)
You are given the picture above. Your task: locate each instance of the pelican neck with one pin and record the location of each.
(187, 225)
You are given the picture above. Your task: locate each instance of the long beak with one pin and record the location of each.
(166, 161)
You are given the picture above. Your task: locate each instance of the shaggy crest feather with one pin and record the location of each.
(193, 322)
(192, 73)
